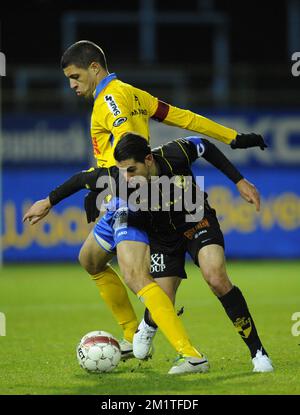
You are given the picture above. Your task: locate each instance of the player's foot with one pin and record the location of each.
(126, 349)
(142, 340)
(185, 365)
(262, 363)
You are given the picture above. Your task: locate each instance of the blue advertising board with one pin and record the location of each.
(274, 232)
(41, 152)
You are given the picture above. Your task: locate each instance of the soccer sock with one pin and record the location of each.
(115, 295)
(148, 319)
(164, 315)
(237, 310)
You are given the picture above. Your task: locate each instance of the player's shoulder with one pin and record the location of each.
(115, 87)
(123, 91)
(176, 151)
(173, 146)
(188, 145)
(168, 150)
(111, 98)
(129, 91)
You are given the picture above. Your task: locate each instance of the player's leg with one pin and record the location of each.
(134, 262)
(166, 267)
(147, 328)
(167, 270)
(212, 263)
(207, 250)
(94, 256)
(170, 285)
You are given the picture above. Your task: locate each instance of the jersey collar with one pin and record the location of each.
(102, 84)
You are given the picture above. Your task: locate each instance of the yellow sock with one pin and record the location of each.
(115, 295)
(164, 315)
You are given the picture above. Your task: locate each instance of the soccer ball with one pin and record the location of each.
(98, 352)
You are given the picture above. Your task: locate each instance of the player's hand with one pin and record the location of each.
(249, 192)
(90, 206)
(248, 140)
(37, 211)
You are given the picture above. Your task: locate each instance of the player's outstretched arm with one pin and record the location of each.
(194, 122)
(191, 121)
(83, 180)
(249, 192)
(200, 147)
(196, 147)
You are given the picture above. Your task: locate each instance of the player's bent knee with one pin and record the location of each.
(218, 281)
(87, 262)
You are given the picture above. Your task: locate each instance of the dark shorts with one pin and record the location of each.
(166, 262)
(169, 259)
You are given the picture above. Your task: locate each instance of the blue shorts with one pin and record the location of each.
(113, 228)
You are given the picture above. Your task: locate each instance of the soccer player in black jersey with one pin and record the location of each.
(172, 159)
(203, 239)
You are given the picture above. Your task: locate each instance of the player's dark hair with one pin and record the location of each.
(132, 146)
(82, 54)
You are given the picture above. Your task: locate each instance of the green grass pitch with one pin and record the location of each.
(48, 308)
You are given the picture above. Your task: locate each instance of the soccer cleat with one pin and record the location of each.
(262, 363)
(184, 365)
(142, 341)
(126, 349)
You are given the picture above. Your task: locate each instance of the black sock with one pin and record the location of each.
(148, 319)
(237, 310)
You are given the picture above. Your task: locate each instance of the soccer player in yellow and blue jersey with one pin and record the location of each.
(120, 108)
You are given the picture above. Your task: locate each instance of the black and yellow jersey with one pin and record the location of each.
(174, 161)
(120, 108)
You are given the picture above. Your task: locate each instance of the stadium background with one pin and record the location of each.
(220, 59)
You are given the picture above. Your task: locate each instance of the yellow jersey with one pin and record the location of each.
(120, 108)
